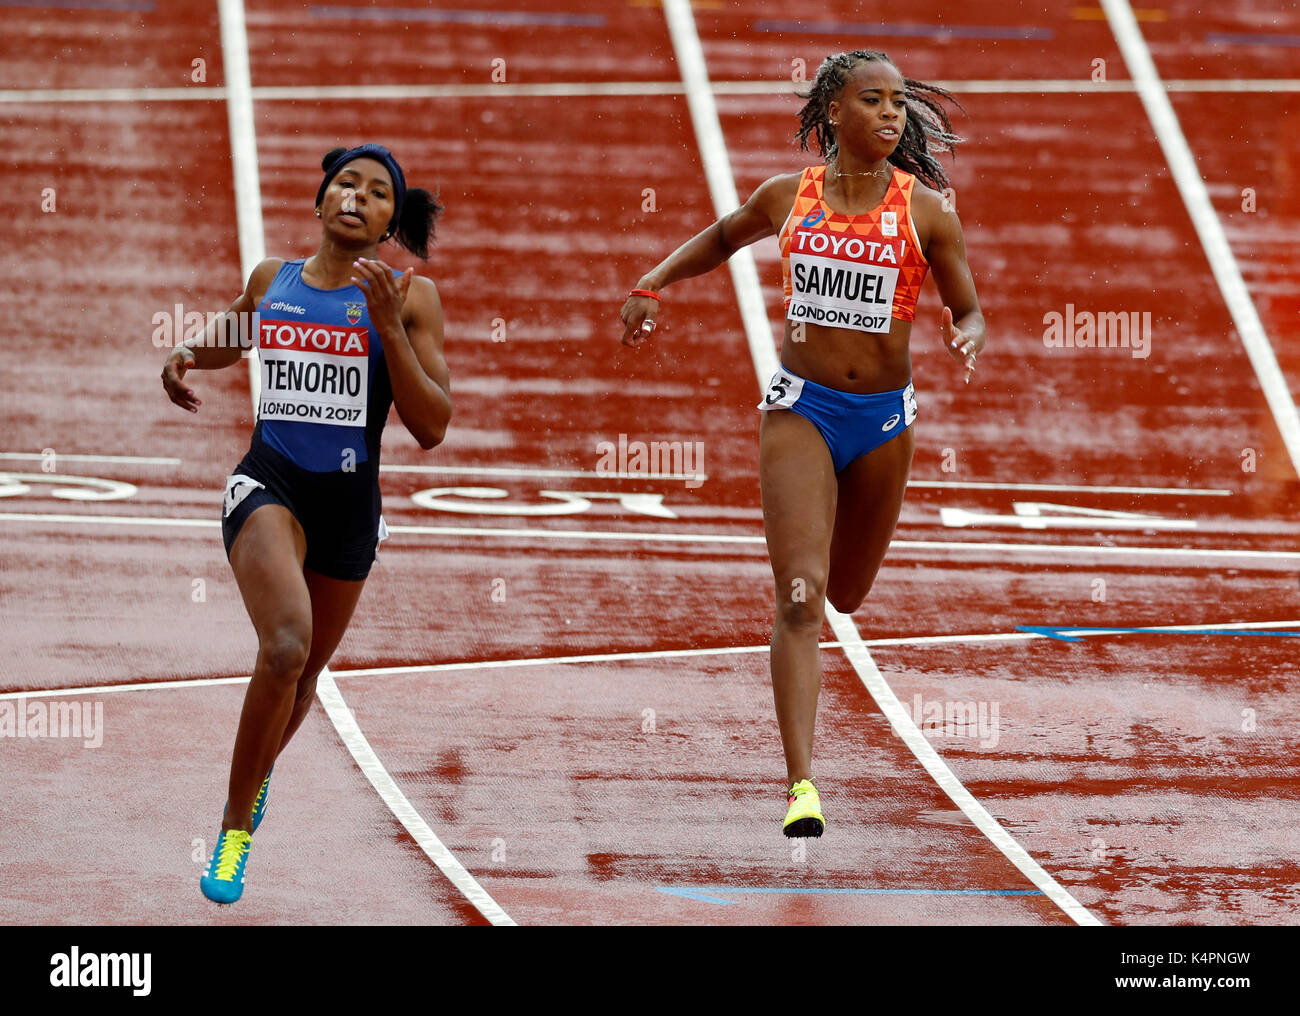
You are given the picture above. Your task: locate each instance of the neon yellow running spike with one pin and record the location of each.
(223, 882)
(804, 817)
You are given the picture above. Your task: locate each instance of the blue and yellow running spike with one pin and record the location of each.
(804, 816)
(259, 802)
(223, 882)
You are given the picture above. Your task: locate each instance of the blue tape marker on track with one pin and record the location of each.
(1246, 39)
(1077, 634)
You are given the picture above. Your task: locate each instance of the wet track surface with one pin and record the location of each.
(1149, 774)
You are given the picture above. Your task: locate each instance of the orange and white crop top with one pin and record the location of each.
(851, 271)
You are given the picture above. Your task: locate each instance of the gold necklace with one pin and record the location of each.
(873, 172)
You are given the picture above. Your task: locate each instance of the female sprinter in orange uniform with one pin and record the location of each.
(341, 337)
(857, 237)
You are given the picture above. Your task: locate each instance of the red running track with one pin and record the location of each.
(1148, 774)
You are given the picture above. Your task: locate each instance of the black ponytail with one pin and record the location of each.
(926, 133)
(415, 227)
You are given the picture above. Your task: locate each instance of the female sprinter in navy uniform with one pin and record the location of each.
(341, 337)
(857, 237)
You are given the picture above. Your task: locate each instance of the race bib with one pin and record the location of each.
(783, 391)
(841, 294)
(314, 373)
(909, 405)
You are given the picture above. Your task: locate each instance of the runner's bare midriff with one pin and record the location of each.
(849, 360)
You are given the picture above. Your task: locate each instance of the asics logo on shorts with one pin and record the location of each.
(892, 422)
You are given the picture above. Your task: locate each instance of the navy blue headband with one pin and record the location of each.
(380, 154)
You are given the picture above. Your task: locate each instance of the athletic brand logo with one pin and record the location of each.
(354, 312)
(889, 223)
(288, 308)
(238, 487)
(812, 218)
(892, 422)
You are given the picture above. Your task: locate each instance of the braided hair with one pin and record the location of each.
(927, 130)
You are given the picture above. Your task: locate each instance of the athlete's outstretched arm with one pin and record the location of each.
(407, 313)
(962, 324)
(223, 341)
(705, 251)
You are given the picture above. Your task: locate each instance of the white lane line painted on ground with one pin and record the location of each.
(1223, 263)
(507, 90)
(110, 689)
(1072, 487)
(682, 24)
(1041, 86)
(525, 471)
(56, 518)
(640, 656)
(905, 727)
(525, 533)
(366, 759)
(577, 474)
(722, 185)
(243, 157)
(142, 460)
(882, 643)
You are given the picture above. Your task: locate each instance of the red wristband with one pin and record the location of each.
(645, 292)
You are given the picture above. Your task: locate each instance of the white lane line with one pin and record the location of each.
(905, 727)
(525, 471)
(525, 533)
(199, 93)
(722, 185)
(682, 24)
(1076, 488)
(528, 471)
(882, 643)
(108, 689)
(578, 89)
(638, 656)
(364, 756)
(143, 460)
(243, 157)
(1041, 86)
(1209, 229)
(106, 520)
